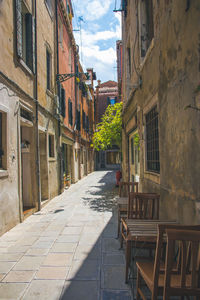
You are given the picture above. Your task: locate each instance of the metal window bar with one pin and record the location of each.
(1, 142)
(48, 70)
(153, 160)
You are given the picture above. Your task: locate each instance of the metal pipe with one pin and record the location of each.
(36, 117)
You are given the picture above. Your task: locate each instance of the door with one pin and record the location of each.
(134, 157)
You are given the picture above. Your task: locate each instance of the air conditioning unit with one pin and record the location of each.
(56, 102)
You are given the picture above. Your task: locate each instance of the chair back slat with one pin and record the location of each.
(187, 283)
(143, 206)
(187, 262)
(126, 187)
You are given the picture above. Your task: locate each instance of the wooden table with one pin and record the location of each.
(141, 231)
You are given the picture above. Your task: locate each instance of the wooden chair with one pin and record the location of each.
(140, 206)
(124, 189)
(172, 278)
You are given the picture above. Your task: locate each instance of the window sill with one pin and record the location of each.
(52, 159)
(3, 173)
(152, 176)
(25, 67)
(49, 93)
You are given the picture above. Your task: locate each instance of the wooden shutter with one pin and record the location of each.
(71, 114)
(29, 41)
(108, 100)
(33, 44)
(18, 15)
(63, 107)
(59, 95)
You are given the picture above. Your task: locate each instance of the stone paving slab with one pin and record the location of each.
(44, 290)
(79, 290)
(19, 276)
(69, 249)
(12, 291)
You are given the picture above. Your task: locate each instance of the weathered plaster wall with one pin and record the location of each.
(9, 200)
(170, 76)
(8, 60)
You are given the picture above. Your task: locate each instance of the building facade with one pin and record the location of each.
(38, 112)
(161, 75)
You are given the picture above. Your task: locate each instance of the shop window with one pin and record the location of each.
(147, 26)
(25, 35)
(3, 140)
(152, 141)
(51, 145)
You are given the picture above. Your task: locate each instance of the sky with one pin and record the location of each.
(100, 29)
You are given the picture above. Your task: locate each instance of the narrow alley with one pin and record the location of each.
(69, 249)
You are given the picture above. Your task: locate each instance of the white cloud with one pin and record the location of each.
(97, 45)
(92, 9)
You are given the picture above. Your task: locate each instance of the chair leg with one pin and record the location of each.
(121, 237)
(138, 285)
(118, 229)
(128, 259)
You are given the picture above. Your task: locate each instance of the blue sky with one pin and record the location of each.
(100, 29)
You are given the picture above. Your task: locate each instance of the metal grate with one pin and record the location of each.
(152, 136)
(1, 150)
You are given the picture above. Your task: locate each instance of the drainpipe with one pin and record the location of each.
(36, 117)
(57, 71)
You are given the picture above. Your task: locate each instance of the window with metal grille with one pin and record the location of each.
(152, 141)
(25, 34)
(48, 57)
(147, 27)
(51, 146)
(1, 140)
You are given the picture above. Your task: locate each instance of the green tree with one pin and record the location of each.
(109, 130)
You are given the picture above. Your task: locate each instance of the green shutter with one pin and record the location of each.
(29, 41)
(18, 15)
(71, 114)
(33, 43)
(59, 95)
(63, 107)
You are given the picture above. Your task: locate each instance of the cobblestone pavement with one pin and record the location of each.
(68, 250)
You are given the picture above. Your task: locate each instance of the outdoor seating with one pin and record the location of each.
(141, 206)
(176, 275)
(124, 189)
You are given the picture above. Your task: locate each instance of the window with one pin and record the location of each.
(60, 30)
(51, 145)
(70, 112)
(25, 35)
(3, 142)
(49, 5)
(62, 104)
(78, 120)
(129, 60)
(83, 119)
(152, 141)
(132, 151)
(48, 66)
(146, 28)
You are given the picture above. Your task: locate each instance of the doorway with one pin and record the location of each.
(44, 179)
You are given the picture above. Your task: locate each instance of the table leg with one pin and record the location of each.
(128, 259)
